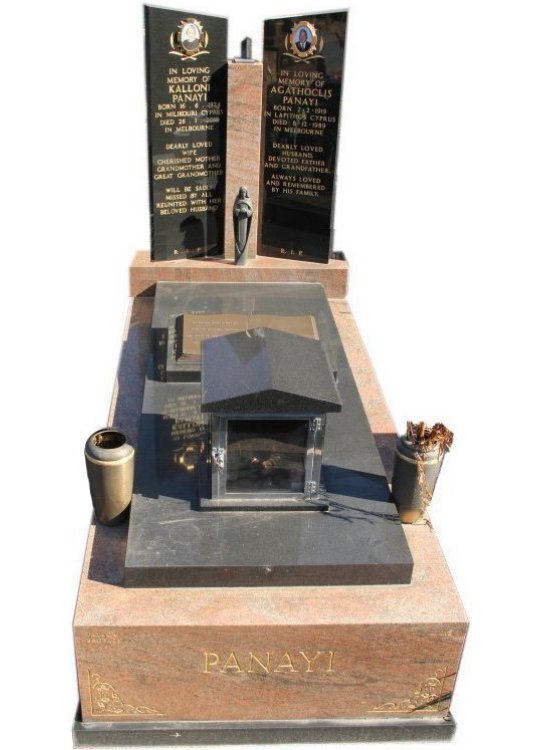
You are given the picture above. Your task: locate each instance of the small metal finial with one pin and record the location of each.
(245, 48)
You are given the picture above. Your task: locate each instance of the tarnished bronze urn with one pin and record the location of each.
(110, 462)
(417, 463)
(416, 470)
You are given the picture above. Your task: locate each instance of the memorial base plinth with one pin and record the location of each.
(193, 733)
(187, 666)
(145, 273)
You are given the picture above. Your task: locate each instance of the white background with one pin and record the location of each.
(437, 211)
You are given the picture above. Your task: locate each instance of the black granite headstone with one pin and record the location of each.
(303, 73)
(186, 77)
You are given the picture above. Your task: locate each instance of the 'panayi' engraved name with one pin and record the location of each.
(268, 662)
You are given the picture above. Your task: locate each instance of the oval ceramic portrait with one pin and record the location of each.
(303, 38)
(190, 37)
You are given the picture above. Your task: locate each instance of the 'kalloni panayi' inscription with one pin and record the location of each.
(187, 97)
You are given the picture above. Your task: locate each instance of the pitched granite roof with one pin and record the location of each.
(263, 371)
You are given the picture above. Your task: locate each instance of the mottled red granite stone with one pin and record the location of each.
(144, 273)
(251, 653)
(244, 111)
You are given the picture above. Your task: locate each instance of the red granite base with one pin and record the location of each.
(252, 654)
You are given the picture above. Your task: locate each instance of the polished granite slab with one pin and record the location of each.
(171, 542)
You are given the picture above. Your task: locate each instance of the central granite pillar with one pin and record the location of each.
(243, 138)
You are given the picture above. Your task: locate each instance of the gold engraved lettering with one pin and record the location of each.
(253, 659)
(232, 665)
(269, 662)
(285, 664)
(331, 661)
(211, 659)
(310, 659)
(102, 639)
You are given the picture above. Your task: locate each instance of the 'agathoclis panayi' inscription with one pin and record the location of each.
(303, 73)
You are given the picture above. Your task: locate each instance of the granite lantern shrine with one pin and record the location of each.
(267, 424)
(263, 588)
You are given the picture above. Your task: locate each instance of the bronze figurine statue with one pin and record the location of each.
(242, 215)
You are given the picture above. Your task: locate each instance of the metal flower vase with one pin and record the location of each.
(110, 462)
(417, 464)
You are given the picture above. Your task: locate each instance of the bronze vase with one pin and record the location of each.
(416, 470)
(110, 462)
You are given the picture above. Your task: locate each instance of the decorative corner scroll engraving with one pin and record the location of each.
(428, 697)
(105, 701)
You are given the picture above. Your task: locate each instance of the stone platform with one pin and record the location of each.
(144, 273)
(358, 540)
(194, 733)
(155, 662)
